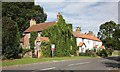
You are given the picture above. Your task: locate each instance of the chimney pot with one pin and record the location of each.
(78, 29)
(58, 15)
(32, 22)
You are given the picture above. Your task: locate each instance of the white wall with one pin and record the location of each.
(89, 43)
(82, 49)
(78, 40)
(97, 43)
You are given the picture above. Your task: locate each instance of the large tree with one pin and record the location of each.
(22, 12)
(116, 36)
(10, 38)
(107, 29)
(106, 34)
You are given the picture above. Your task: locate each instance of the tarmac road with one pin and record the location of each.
(109, 63)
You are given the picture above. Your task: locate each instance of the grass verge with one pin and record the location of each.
(36, 60)
(115, 53)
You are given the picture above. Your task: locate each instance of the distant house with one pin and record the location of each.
(87, 41)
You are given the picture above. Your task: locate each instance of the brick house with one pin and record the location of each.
(36, 28)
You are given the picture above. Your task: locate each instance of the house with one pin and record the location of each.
(82, 47)
(84, 41)
(24, 41)
(87, 41)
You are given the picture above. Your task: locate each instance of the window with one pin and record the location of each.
(82, 40)
(88, 41)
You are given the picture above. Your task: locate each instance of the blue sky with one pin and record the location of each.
(88, 14)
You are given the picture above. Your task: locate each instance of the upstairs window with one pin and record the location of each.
(88, 42)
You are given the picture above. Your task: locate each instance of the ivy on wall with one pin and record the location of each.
(61, 36)
(33, 36)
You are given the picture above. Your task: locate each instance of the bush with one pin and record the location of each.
(109, 51)
(25, 51)
(88, 53)
(102, 53)
(45, 49)
(33, 36)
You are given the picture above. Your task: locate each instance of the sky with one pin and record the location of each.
(87, 14)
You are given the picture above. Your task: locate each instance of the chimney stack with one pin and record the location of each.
(32, 22)
(78, 29)
(58, 15)
(90, 33)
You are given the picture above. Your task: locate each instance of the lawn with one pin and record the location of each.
(115, 53)
(36, 60)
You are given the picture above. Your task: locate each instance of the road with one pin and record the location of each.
(109, 63)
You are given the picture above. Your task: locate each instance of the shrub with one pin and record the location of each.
(102, 53)
(45, 49)
(109, 51)
(25, 51)
(33, 36)
(87, 53)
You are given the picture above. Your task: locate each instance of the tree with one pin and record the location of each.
(106, 30)
(116, 36)
(106, 34)
(61, 36)
(10, 38)
(22, 12)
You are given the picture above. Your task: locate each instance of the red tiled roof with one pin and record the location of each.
(102, 46)
(80, 44)
(40, 26)
(42, 39)
(82, 35)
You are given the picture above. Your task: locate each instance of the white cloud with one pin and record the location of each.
(88, 15)
(77, 0)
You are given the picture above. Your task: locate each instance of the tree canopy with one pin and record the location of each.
(108, 33)
(15, 19)
(22, 12)
(116, 36)
(10, 38)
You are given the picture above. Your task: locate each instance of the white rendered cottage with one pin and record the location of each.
(87, 41)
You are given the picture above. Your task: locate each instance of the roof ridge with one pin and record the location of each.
(40, 26)
(83, 35)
